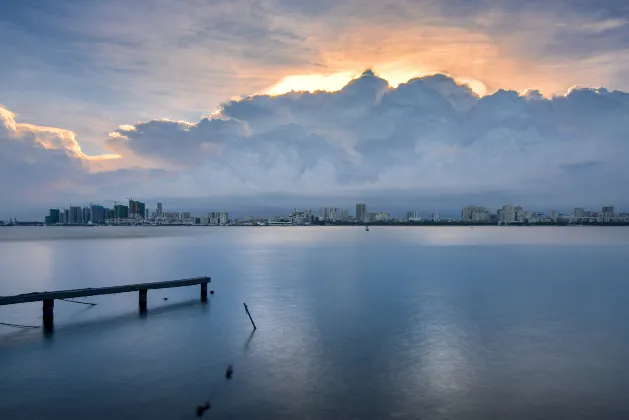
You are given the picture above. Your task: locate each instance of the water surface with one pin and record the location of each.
(400, 322)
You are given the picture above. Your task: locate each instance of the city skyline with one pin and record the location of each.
(138, 212)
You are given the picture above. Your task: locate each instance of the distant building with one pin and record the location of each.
(579, 212)
(217, 218)
(53, 216)
(85, 215)
(475, 214)
(412, 216)
(361, 212)
(607, 212)
(510, 214)
(553, 214)
(137, 209)
(98, 215)
(159, 211)
(344, 214)
(381, 216)
(434, 216)
(121, 211)
(76, 216)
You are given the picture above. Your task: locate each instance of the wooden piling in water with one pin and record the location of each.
(48, 313)
(203, 292)
(142, 299)
(250, 319)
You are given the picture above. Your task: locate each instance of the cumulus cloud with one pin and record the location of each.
(45, 165)
(429, 135)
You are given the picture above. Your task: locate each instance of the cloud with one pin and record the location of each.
(430, 139)
(87, 65)
(430, 135)
(42, 166)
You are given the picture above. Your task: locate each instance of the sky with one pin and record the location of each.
(258, 106)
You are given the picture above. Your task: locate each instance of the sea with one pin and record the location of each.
(395, 323)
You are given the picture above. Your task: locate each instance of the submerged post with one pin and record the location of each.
(203, 292)
(250, 319)
(142, 299)
(48, 313)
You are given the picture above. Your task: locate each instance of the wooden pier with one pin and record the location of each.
(48, 298)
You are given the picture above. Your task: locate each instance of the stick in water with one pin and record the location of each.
(251, 319)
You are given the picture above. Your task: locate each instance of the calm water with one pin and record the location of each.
(404, 323)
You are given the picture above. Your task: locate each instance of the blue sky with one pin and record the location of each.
(73, 71)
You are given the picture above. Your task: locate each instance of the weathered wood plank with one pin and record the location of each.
(75, 293)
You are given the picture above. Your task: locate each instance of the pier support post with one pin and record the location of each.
(142, 299)
(203, 292)
(48, 312)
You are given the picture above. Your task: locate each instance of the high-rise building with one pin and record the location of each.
(217, 218)
(412, 216)
(53, 216)
(510, 214)
(159, 211)
(579, 212)
(361, 212)
(434, 216)
(136, 209)
(607, 212)
(553, 214)
(475, 214)
(76, 216)
(98, 215)
(121, 211)
(85, 215)
(344, 214)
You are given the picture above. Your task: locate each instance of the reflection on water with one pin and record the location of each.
(515, 323)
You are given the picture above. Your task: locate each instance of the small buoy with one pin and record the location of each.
(229, 372)
(165, 298)
(211, 292)
(202, 408)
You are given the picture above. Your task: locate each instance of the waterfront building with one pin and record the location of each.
(121, 211)
(53, 216)
(76, 216)
(85, 215)
(97, 215)
(607, 213)
(361, 212)
(412, 216)
(511, 214)
(217, 218)
(475, 214)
